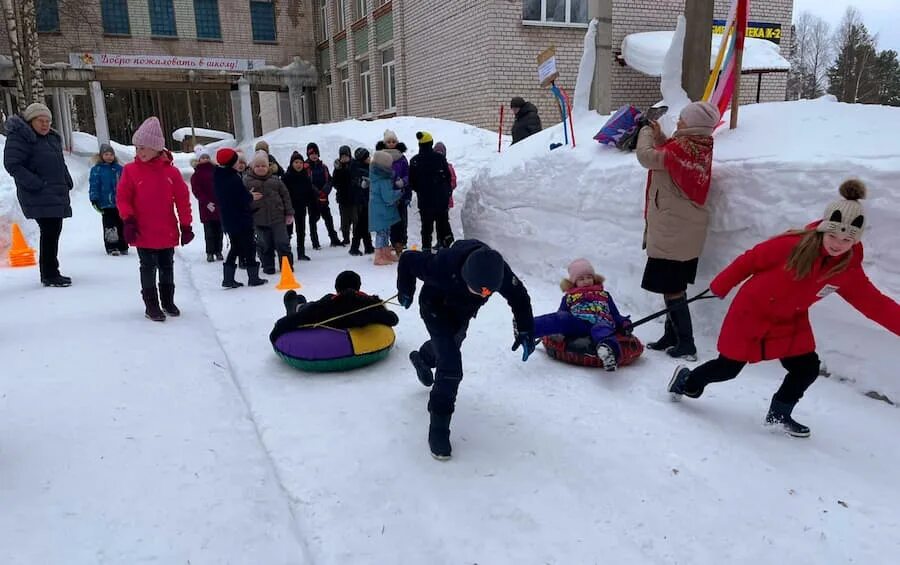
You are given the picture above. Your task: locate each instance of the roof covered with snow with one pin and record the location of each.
(645, 52)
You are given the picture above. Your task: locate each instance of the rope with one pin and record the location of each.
(323, 323)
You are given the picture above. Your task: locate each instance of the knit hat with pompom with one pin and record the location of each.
(846, 216)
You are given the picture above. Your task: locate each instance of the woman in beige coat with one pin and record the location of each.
(680, 169)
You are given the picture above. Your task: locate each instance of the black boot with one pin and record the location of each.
(293, 301)
(423, 371)
(301, 253)
(780, 414)
(684, 330)
(679, 385)
(228, 281)
(167, 299)
(669, 338)
(56, 280)
(151, 304)
(253, 275)
(439, 436)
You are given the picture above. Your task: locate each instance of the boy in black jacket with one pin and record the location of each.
(321, 181)
(359, 180)
(457, 282)
(303, 199)
(342, 182)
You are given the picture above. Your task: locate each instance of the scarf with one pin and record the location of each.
(688, 160)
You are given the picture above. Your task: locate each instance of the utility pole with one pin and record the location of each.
(697, 47)
(601, 91)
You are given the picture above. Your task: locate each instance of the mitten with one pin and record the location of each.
(399, 183)
(187, 235)
(96, 206)
(211, 207)
(130, 231)
(405, 300)
(526, 340)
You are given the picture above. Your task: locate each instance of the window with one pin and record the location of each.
(365, 87)
(345, 88)
(323, 19)
(388, 79)
(341, 15)
(555, 11)
(115, 17)
(329, 92)
(262, 20)
(381, 2)
(47, 15)
(206, 14)
(162, 18)
(361, 9)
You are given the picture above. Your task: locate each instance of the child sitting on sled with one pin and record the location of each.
(586, 310)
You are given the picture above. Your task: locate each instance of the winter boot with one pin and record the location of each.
(678, 384)
(684, 330)
(210, 257)
(669, 338)
(423, 371)
(439, 436)
(167, 299)
(780, 414)
(253, 275)
(369, 250)
(607, 356)
(219, 257)
(56, 280)
(381, 256)
(355, 252)
(301, 253)
(151, 304)
(228, 281)
(290, 257)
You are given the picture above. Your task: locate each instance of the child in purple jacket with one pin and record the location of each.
(397, 148)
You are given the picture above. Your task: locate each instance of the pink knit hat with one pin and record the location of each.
(580, 267)
(149, 135)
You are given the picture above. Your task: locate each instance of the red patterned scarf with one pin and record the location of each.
(688, 160)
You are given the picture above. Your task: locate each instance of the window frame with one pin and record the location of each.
(323, 18)
(254, 27)
(50, 8)
(110, 9)
(389, 79)
(341, 11)
(329, 92)
(168, 10)
(543, 22)
(208, 16)
(365, 87)
(362, 9)
(346, 91)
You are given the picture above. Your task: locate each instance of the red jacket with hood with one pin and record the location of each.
(149, 193)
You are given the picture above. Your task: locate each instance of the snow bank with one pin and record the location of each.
(778, 170)
(180, 133)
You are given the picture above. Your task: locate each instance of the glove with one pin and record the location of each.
(130, 231)
(364, 183)
(288, 219)
(526, 340)
(211, 207)
(399, 183)
(405, 300)
(187, 235)
(625, 328)
(96, 206)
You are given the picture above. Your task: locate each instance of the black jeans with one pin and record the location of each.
(439, 221)
(323, 211)
(153, 260)
(51, 228)
(112, 221)
(400, 230)
(361, 228)
(802, 371)
(442, 352)
(212, 233)
(243, 245)
(300, 226)
(349, 220)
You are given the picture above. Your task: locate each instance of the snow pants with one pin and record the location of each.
(572, 326)
(299, 226)
(349, 219)
(212, 233)
(112, 225)
(270, 239)
(242, 246)
(439, 221)
(802, 371)
(153, 260)
(442, 352)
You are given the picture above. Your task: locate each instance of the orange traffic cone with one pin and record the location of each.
(287, 281)
(20, 255)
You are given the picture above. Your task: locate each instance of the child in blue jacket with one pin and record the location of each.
(587, 309)
(104, 178)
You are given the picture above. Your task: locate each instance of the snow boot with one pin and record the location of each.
(684, 331)
(253, 275)
(210, 257)
(228, 281)
(355, 252)
(780, 414)
(267, 270)
(381, 256)
(293, 301)
(607, 356)
(167, 299)
(369, 250)
(219, 257)
(669, 338)
(678, 384)
(439, 436)
(423, 371)
(56, 281)
(151, 304)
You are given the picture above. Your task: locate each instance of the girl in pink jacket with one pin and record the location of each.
(149, 193)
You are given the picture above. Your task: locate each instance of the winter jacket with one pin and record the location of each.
(446, 294)
(341, 180)
(592, 304)
(769, 316)
(103, 181)
(321, 180)
(202, 187)
(401, 171)
(429, 177)
(275, 203)
(527, 123)
(274, 167)
(675, 225)
(148, 193)
(359, 173)
(37, 165)
(234, 201)
(332, 305)
(383, 198)
(300, 188)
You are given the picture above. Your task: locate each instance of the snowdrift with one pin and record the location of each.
(778, 170)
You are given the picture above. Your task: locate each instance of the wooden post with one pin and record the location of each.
(500, 131)
(741, 30)
(697, 47)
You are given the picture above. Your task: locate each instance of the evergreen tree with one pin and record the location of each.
(852, 76)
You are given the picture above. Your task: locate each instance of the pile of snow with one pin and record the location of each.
(645, 52)
(778, 170)
(181, 133)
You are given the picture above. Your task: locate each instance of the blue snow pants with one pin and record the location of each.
(571, 326)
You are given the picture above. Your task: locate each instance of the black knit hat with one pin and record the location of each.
(295, 156)
(347, 280)
(344, 150)
(483, 270)
(312, 147)
(361, 154)
(516, 102)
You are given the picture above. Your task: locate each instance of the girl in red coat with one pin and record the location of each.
(769, 317)
(148, 193)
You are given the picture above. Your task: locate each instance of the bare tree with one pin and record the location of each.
(12, 28)
(813, 55)
(32, 50)
(21, 27)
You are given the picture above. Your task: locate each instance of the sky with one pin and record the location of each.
(882, 17)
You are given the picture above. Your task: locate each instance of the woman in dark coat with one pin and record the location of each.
(34, 158)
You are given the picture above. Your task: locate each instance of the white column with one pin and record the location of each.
(246, 111)
(59, 121)
(101, 122)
